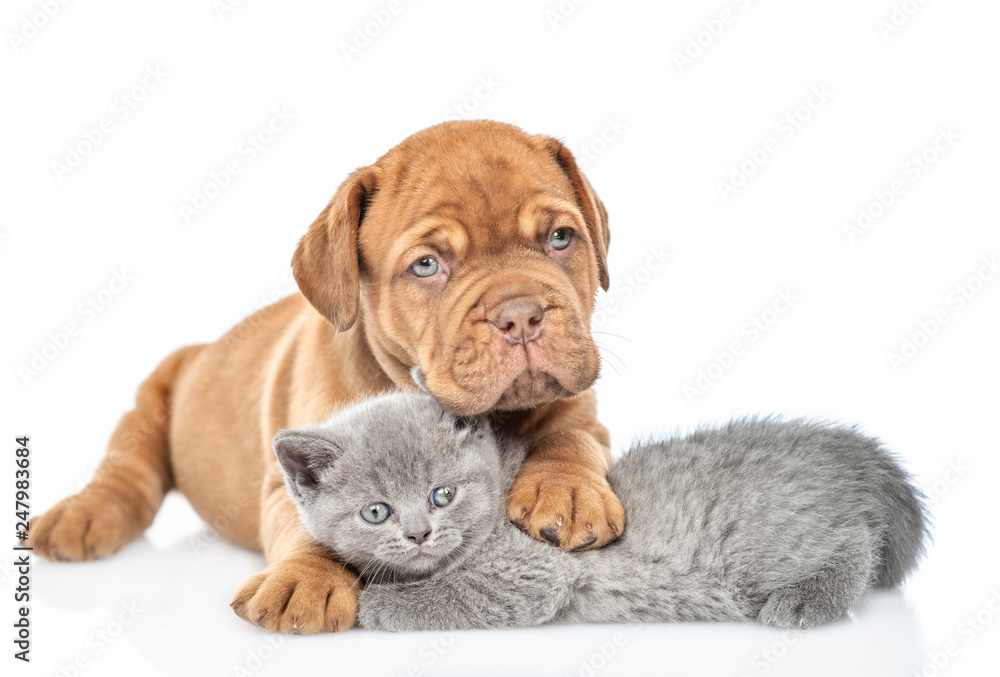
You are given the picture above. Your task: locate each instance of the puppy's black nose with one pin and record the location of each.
(418, 537)
(519, 320)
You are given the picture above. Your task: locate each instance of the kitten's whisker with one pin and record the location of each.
(381, 571)
(371, 578)
(364, 570)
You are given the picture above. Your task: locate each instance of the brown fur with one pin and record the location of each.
(482, 197)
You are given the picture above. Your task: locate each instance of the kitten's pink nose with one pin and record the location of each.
(418, 537)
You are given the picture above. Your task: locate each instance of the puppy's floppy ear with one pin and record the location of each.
(325, 264)
(593, 209)
(303, 457)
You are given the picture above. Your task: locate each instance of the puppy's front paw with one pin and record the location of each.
(566, 505)
(81, 528)
(300, 595)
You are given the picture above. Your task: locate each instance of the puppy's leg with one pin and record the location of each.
(303, 590)
(128, 486)
(561, 494)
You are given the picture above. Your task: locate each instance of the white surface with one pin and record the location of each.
(608, 67)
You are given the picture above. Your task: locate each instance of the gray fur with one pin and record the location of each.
(786, 523)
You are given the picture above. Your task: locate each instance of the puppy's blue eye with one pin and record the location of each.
(425, 267)
(376, 513)
(560, 238)
(442, 496)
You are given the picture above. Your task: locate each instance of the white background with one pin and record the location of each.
(660, 135)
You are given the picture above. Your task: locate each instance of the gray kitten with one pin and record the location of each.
(786, 523)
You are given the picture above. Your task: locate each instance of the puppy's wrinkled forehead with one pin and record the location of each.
(460, 178)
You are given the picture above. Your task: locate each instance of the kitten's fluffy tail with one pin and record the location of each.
(907, 528)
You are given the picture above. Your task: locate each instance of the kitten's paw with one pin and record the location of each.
(566, 505)
(794, 607)
(81, 528)
(299, 595)
(382, 607)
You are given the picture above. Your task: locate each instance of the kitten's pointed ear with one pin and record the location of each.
(303, 457)
(417, 374)
(463, 426)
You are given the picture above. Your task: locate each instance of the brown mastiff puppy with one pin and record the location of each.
(471, 251)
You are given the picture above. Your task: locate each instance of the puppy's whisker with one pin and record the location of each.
(607, 362)
(610, 352)
(606, 306)
(608, 333)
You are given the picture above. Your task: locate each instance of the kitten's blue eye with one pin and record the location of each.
(376, 513)
(559, 239)
(442, 496)
(425, 267)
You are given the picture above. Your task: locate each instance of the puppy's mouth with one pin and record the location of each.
(530, 388)
(535, 372)
(517, 378)
(515, 355)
